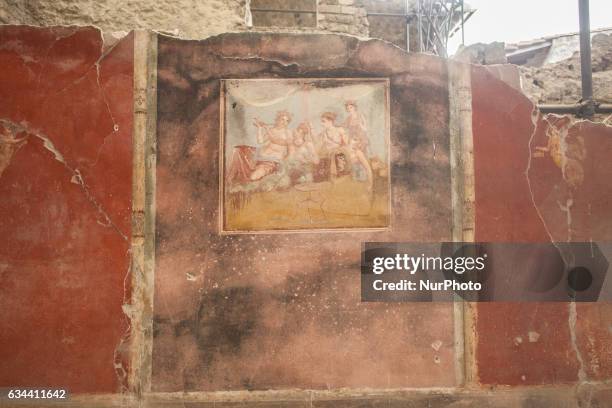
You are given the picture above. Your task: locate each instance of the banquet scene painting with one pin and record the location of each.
(304, 154)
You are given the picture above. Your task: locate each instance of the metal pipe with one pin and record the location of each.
(585, 50)
(407, 10)
(462, 23)
(588, 106)
(580, 109)
(420, 25)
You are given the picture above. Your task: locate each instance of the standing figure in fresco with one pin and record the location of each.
(252, 164)
(356, 126)
(332, 137)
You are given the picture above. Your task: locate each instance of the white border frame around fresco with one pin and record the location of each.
(221, 219)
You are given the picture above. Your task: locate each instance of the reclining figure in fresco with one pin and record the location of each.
(252, 164)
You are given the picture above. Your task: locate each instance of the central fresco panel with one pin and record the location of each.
(262, 136)
(305, 154)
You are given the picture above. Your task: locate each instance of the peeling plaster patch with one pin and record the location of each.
(257, 58)
(68, 340)
(9, 144)
(75, 177)
(594, 359)
(533, 336)
(567, 209)
(573, 316)
(436, 345)
(518, 340)
(122, 348)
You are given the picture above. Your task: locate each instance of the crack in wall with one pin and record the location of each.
(103, 54)
(572, 313)
(567, 209)
(119, 353)
(257, 58)
(535, 116)
(97, 65)
(572, 319)
(76, 176)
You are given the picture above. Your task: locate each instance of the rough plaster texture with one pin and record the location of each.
(190, 19)
(65, 199)
(343, 16)
(186, 18)
(278, 311)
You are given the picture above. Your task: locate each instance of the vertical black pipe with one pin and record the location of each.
(585, 51)
(406, 14)
(420, 23)
(462, 23)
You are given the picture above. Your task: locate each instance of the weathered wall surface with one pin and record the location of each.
(65, 194)
(343, 16)
(187, 18)
(226, 312)
(277, 311)
(539, 178)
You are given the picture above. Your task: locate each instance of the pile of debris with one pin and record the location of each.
(560, 82)
(551, 83)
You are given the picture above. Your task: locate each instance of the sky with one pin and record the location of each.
(517, 20)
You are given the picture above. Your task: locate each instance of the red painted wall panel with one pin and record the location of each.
(65, 194)
(523, 183)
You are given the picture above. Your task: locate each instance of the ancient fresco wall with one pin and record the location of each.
(65, 194)
(277, 309)
(539, 178)
(303, 154)
(282, 310)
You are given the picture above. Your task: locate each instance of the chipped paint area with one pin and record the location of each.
(10, 142)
